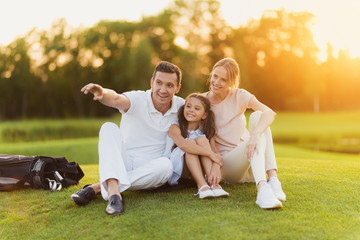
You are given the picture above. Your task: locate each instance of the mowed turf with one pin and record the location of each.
(322, 203)
(338, 131)
(80, 150)
(322, 189)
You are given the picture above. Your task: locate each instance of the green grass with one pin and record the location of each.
(324, 131)
(338, 131)
(322, 189)
(311, 125)
(322, 203)
(81, 150)
(43, 130)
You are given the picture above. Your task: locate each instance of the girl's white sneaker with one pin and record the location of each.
(205, 194)
(219, 192)
(266, 198)
(276, 188)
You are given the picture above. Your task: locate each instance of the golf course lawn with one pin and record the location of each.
(322, 203)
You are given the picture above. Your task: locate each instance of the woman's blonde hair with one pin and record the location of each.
(232, 69)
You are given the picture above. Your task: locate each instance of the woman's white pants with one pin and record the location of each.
(238, 169)
(134, 174)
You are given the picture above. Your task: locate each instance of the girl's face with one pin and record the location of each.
(194, 110)
(219, 81)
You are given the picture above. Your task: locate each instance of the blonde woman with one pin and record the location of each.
(248, 155)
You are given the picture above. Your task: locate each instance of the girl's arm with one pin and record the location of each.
(183, 144)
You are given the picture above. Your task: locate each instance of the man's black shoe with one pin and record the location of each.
(84, 196)
(115, 205)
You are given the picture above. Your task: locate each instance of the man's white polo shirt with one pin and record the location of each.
(144, 129)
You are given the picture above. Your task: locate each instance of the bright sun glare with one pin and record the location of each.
(340, 28)
(336, 20)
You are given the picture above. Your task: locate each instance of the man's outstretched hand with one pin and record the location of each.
(95, 89)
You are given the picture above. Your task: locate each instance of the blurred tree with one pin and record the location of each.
(341, 76)
(58, 81)
(42, 73)
(278, 54)
(141, 65)
(202, 31)
(4, 89)
(17, 81)
(163, 36)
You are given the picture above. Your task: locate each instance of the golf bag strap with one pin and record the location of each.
(37, 173)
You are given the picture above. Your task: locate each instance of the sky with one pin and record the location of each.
(336, 21)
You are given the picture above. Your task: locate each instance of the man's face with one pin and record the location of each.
(164, 87)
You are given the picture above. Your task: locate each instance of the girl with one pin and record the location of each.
(196, 126)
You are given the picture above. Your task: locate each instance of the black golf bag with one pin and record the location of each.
(17, 171)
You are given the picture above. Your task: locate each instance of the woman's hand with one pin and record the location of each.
(215, 175)
(252, 146)
(95, 89)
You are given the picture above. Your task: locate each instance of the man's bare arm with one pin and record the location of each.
(107, 97)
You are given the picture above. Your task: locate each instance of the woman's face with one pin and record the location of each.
(219, 81)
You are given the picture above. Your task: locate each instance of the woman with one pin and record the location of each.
(247, 156)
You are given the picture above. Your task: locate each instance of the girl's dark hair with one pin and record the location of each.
(208, 123)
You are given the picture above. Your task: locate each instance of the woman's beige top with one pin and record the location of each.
(230, 120)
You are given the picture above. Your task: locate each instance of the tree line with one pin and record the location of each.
(41, 74)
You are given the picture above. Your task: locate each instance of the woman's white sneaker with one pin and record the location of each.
(276, 188)
(266, 198)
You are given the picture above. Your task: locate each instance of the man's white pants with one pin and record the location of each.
(237, 167)
(113, 163)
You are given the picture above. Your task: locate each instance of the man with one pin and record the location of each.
(134, 155)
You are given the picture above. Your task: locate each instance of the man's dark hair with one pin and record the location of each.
(168, 67)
